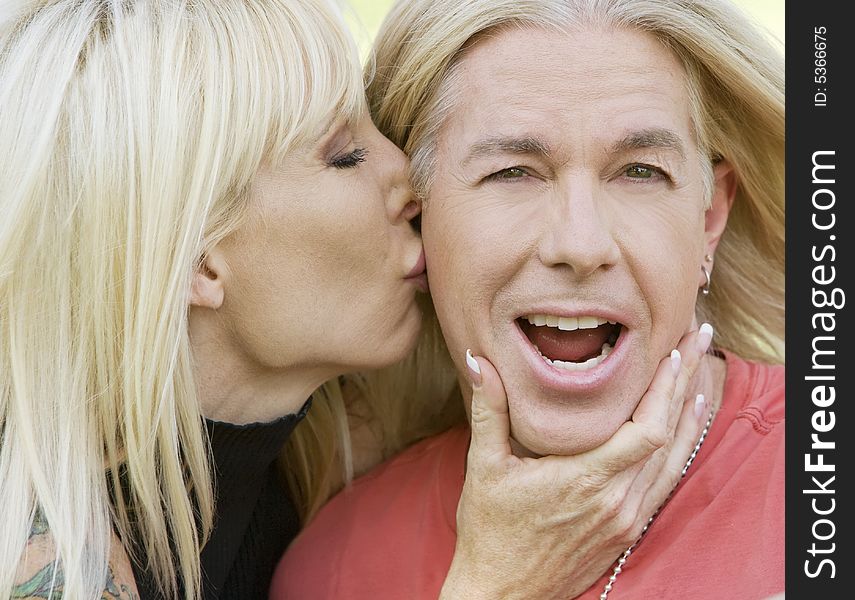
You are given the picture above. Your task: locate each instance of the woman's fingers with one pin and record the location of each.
(693, 346)
(641, 453)
(653, 424)
(646, 432)
(662, 471)
(490, 422)
(655, 417)
(582, 509)
(665, 394)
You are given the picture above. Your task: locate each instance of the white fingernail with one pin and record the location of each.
(676, 359)
(699, 406)
(705, 335)
(471, 362)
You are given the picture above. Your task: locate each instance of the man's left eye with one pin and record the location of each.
(509, 173)
(640, 172)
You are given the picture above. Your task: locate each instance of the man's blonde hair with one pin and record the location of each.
(130, 131)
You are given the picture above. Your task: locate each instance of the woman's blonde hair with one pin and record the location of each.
(130, 131)
(735, 80)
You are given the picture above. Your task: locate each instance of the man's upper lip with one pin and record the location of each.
(419, 268)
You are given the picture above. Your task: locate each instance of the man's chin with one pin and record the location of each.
(566, 435)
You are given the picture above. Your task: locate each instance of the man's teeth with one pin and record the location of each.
(583, 366)
(567, 323)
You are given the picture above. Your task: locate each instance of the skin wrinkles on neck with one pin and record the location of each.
(233, 389)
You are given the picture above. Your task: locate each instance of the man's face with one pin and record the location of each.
(564, 230)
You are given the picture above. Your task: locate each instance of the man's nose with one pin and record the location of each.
(579, 234)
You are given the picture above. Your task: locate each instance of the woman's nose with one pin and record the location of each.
(402, 203)
(412, 209)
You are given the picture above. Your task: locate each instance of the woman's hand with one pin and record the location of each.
(550, 527)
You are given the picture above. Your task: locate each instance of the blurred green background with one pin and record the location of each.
(368, 14)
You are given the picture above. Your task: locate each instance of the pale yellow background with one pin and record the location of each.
(368, 14)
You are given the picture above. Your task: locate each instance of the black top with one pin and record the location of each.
(254, 520)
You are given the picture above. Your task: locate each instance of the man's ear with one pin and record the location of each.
(207, 289)
(725, 183)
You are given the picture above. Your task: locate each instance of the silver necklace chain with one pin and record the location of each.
(623, 557)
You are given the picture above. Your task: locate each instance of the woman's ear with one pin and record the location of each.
(724, 191)
(207, 289)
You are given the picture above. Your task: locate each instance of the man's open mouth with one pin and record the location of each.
(571, 343)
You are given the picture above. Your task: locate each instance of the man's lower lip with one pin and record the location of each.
(420, 281)
(574, 381)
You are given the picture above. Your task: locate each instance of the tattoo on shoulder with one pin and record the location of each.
(49, 582)
(115, 590)
(39, 526)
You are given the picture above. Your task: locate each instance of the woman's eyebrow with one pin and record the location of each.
(326, 130)
(492, 146)
(654, 137)
(333, 131)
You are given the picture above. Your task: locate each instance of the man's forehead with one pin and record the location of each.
(528, 103)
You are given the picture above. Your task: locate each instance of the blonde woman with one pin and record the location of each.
(599, 178)
(198, 220)
(160, 155)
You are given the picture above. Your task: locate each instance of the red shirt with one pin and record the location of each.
(391, 534)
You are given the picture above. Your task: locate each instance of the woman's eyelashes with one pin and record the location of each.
(349, 160)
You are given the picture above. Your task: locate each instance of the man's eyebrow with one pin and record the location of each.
(506, 145)
(650, 138)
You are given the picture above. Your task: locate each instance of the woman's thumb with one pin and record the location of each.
(489, 419)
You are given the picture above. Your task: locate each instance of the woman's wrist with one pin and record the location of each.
(462, 583)
(470, 578)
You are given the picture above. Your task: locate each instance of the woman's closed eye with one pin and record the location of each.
(350, 159)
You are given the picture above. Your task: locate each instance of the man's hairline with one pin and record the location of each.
(424, 157)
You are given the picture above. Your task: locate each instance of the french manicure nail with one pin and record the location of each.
(676, 359)
(474, 369)
(704, 337)
(699, 406)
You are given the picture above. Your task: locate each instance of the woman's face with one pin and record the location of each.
(565, 228)
(322, 274)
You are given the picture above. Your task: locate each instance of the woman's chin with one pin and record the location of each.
(386, 347)
(406, 336)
